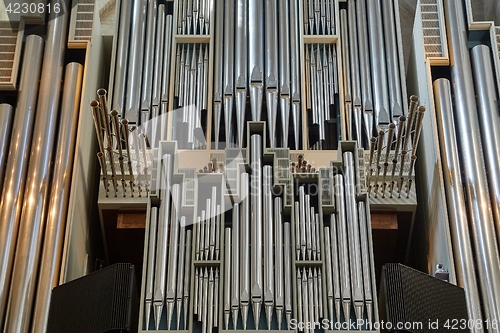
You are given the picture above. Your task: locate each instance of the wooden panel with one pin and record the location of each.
(131, 220)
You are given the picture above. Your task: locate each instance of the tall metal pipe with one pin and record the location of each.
(17, 162)
(34, 209)
(59, 196)
(364, 68)
(489, 120)
(472, 160)
(136, 53)
(159, 57)
(284, 68)
(218, 69)
(464, 258)
(295, 69)
(255, 26)
(6, 111)
(256, 223)
(392, 60)
(378, 65)
(150, 54)
(121, 61)
(240, 65)
(271, 76)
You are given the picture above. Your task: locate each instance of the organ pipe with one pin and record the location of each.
(17, 163)
(59, 196)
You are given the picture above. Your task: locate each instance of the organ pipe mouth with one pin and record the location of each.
(94, 104)
(101, 92)
(414, 98)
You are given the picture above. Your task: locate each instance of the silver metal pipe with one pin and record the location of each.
(305, 299)
(235, 267)
(33, 212)
(216, 298)
(418, 129)
(300, 306)
(475, 182)
(196, 301)
(229, 68)
(202, 235)
(217, 231)
(378, 65)
(150, 54)
(271, 66)
(354, 59)
(353, 233)
(136, 53)
(365, 258)
(240, 65)
(329, 272)
(51, 253)
(268, 244)
(287, 261)
(245, 248)
(207, 228)
(102, 162)
(6, 111)
(153, 223)
(302, 220)
(210, 302)
(392, 60)
(218, 69)
(297, 230)
(162, 238)
(295, 70)
(256, 223)
(335, 249)
(126, 134)
(278, 273)
(364, 68)
(106, 123)
(255, 56)
(187, 277)
(315, 293)
(158, 71)
(167, 47)
(490, 123)
(96, 115)
(284, 68)
(180, 270)
(173, 250)
(464, 260)
(204, 298)
(227, 277)
(122, 51)
(313, 234)
(116, 125)
(213, 218)
(310, 289)
(308, 226)
(322, 105)
(345, 275)
(409, 124)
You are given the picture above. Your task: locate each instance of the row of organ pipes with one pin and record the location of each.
(245, 261)
(37, 147)
(468, 128)
(254, 51)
